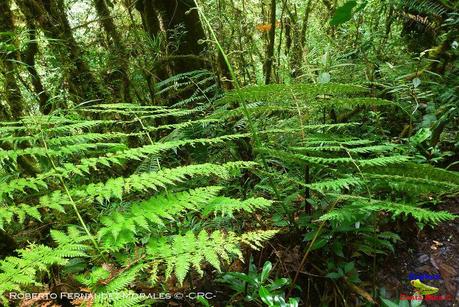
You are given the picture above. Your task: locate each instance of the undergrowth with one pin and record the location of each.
(135, 196)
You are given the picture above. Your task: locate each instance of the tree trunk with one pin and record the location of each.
(119, 55)
(270, 51)
(12, 92)
(8, 57)
(299, 41)
(184, 31)
(29, 59)
(51, 17)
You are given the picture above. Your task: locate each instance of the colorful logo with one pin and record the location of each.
(423, 291)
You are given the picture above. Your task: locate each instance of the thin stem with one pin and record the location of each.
(149, 138)
(306, 254)
(72, 202)
(374, 220)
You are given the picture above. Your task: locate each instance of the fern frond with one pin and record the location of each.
(425, 6)
(126, 106)
(123, 280)
(227, 206)
(16, 272)
(8, 213)
(335, 185)
(380, 161)
(415, 178)
(121, 229)
(274, 93)
(117, 187)
(85, 165)
(182, 252)
(62, 151)
(364, 205)
(358, 150)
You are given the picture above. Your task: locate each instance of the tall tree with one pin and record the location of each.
(9, 56)
(119, 55)
(270, 51)
(50, 16)
(28, 57)
(299, 39)
(183, 30)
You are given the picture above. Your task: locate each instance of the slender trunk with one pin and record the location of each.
(299, 41)
(270, 51)
(307, 12)
(11, 91)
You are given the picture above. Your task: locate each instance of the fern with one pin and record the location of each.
(20, 211)
(21, 271)
(85, 167)
(228, 206)
(362, 205)
(415, 182)
(425, 6)
(275, 93)
(182, 252)
(87, 164)
(121, 228)
(147, 212)
(358, 167)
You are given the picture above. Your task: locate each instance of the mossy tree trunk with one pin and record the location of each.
(179, 21)
(28, 57)
(50, 16)
(9, 56)
(299, 40)
(119, 76)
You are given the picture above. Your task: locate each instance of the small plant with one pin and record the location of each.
(256, 287)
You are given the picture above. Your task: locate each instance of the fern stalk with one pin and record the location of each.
(149, 137)
(306, 254)
(374, 220)
(72, 202)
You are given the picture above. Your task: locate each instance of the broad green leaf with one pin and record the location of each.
(343, 13)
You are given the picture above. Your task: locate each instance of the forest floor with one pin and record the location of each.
(430, 251)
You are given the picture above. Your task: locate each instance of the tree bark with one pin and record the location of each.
(119, 55)
(9, 54)
(8, 57)
(29, 59)
(183, 29)
(51, 17)
(270, 51)
(299, 41)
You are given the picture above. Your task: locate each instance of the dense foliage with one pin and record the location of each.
(170, 147)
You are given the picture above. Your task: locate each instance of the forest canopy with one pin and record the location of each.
(229, 152)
